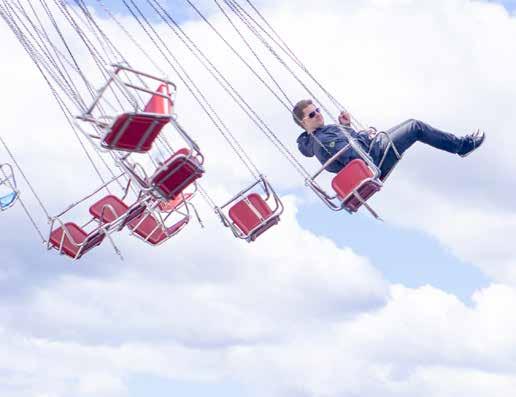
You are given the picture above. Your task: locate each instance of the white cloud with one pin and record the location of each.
(245, 293)
(99, 383)
(423, 341)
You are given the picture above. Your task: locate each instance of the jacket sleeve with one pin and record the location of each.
(363, 137)
(360, 134)
(305, 144)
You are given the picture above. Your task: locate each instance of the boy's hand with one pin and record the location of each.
(345, 118)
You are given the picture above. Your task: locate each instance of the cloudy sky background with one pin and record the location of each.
(325, 304)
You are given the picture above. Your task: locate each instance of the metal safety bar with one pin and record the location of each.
(390, 145)
(113, 77)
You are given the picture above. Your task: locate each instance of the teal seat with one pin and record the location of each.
(8, 200)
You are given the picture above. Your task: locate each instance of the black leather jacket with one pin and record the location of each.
(332, 139)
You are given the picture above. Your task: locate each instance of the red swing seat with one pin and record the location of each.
(145, 225)
(152, 231)
(355, 184)
(134, 132)
(82, 241)
(110, 208)
(177, 173)
(253, 216)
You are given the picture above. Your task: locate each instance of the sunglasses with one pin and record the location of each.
(312, 114)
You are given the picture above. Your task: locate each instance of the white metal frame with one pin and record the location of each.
(104, 122)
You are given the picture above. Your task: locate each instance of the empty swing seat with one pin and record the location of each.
(134, 132)
(253, 216)
(152, 231)
(110, 209)
(177, 173)
(82, 241)
(356, 178)
(8, 200)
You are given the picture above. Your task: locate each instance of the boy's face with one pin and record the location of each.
(312, 118)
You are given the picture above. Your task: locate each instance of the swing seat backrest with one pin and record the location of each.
(353, 183)
(8, 200)
(177, 173)
(253, 216)
(110, 209)
(82, 241)
(159, 104)
(152, 231)
(171, 205)
(134, 132)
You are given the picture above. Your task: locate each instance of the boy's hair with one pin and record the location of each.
(297, 112)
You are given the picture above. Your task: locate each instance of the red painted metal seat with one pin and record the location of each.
(134, 128)
(108, 209)
(111, 209)
(253, 216)
(354, 184)
(71, 240)
(134, 132)
(177, 173)
(152, 231)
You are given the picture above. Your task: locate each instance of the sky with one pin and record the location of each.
(324, 304)
(510, 5)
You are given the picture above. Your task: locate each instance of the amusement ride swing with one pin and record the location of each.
(257, 207)
(9, 192)
(134, 127)
(361, 177)
(128, 120)
(118, 132)
(135, 132)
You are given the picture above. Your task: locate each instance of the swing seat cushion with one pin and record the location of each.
(134, 132)
(355, 177)
(177, 173)
(8, 200)
(82, 241)
(152, 231)
(253, 216)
